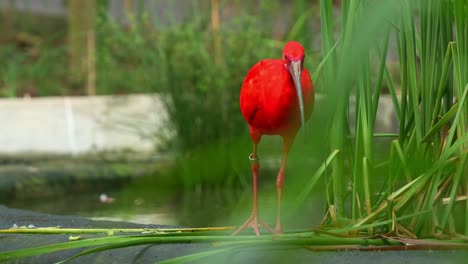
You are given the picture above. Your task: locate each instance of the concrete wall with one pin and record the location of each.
(73, 125)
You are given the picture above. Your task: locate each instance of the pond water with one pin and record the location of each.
(144, 202)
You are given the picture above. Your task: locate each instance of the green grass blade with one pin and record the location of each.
(458, 117)
(29, 252)
(443, 121)
(386, 135)
(393, 94)
(377, 223)
(453, 191)
(113, 231)
(367, 192)
(407, 196)
(443, 81)
(402, 159)
(324, 61)
(197, 256)
(385, 204)
(298, 26)
(409, 32)
(313, 180)
(103, 248)
(380, 75)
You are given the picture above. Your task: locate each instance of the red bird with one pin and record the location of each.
(276, 98)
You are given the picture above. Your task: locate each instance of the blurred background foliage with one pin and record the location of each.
(195, 55)
(199, 63)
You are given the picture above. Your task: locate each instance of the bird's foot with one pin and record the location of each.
(254, 222)
(278, 230)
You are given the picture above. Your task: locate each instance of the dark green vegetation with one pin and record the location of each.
(414, 185)
(426, 170)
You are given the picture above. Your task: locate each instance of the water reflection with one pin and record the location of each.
(160, 218)
(142, 202)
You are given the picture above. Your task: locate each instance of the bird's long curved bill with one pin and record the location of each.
(296, 73)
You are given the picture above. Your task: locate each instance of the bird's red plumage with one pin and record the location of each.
(269, 102)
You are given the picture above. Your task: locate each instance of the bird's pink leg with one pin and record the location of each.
(254, 220)
(280, 183)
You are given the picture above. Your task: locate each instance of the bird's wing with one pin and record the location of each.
(250, 93)
(259, 93)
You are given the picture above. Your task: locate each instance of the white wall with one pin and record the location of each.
(79, 124)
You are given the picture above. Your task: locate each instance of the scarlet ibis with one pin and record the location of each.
(276, 98)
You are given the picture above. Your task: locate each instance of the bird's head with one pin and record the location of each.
(293, 58)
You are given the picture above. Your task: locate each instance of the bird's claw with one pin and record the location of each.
(278, 231)
(254, 223)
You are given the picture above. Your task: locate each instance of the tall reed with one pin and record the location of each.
(426, 167)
